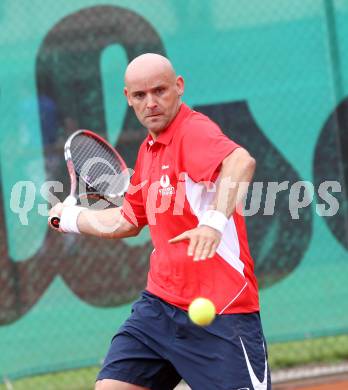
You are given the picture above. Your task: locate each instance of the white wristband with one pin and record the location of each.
(215, 219)
(68, 219)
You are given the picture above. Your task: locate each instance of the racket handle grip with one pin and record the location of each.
(55, 222)
(69, 201)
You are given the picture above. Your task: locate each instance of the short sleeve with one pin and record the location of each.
(133, 206)
(202, 149)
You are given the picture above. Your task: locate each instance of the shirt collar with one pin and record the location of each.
(166, 135)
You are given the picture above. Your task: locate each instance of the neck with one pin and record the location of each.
(155, 135)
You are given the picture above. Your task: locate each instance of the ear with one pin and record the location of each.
(126, 94)
(180, 85)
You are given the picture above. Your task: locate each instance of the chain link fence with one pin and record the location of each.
(271, 74)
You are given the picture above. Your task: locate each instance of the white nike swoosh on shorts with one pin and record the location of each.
(256, 383)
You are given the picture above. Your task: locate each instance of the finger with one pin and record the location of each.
(199, 249)
(56, 210)
(213, 249)
(206, 250)
(180, 237)
(192, 247)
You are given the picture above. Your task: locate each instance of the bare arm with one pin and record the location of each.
(236, 172)
(108, 223)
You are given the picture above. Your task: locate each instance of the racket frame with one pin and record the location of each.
(71, 199)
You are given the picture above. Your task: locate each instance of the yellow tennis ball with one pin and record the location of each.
(202, 311)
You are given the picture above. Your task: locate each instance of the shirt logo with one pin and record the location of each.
(257, 385)
(165, 166)
(164, 181)
(166, 189)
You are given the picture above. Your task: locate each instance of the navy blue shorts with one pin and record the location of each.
(158, 345)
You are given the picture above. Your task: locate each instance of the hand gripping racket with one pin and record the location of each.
(96, 167)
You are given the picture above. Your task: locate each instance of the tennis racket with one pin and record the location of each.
(95, 167)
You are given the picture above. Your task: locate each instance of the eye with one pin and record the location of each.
(160, 90)
(139, 95)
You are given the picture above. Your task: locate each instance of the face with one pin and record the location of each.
(155, 99)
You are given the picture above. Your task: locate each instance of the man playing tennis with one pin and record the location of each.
(185, 188)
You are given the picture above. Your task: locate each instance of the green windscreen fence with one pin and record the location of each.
(272, 74)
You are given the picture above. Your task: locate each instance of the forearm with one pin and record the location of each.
(108, 223)
(236, 173)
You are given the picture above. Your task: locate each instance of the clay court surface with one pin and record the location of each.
(328, 383)
(338, 382)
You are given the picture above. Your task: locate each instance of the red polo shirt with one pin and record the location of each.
(169, 191)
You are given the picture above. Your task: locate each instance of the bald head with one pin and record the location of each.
(149, 63)
(153, 90)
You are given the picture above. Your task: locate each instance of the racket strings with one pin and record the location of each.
(97, 163)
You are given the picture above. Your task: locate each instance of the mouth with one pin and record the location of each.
(152, 115)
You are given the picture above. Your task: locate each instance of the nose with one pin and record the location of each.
(151, 102)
